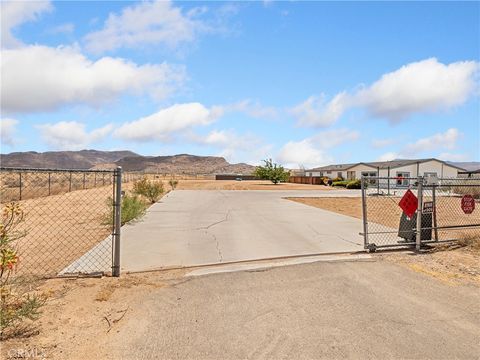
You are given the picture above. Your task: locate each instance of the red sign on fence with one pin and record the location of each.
(468, 204)
(409, 203)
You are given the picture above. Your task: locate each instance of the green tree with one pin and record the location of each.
(271, 171)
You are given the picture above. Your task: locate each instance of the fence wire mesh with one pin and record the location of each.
(67, 220)
(444, 215)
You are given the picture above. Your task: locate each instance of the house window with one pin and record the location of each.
(372, 176)
(403, 178)
(339, 174)
(329, 172)
(430, 174)
(350, 175)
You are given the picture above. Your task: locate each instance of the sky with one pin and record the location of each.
(304, 83)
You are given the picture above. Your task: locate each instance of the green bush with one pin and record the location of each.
(133, 208)
(337, 179)
(152, 190)
(354, 184)
(340, 183)
(173, 183)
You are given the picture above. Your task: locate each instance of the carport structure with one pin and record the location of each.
(201, 227)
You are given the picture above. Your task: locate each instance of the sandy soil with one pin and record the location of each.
(385, 210)
(455, 262)
(61, 228)
(80, 310)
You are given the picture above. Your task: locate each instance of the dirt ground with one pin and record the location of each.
(79, 310)
(457, 262)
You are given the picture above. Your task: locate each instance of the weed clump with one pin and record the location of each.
(151, 190)
(18, 304)
(173, 183)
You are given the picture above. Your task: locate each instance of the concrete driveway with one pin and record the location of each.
(198, 227)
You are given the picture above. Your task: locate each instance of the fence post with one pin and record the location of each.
(418, 242)
(364, 213)
(117, 203)
(388, 181)
(434, 198)
(20, 185)
(378, 180)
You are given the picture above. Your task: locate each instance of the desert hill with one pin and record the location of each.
(128, 160)
(83, 159)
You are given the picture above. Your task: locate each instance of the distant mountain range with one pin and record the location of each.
(128, 160)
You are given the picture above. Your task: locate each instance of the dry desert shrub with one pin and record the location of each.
(18, 303)
(150, 189)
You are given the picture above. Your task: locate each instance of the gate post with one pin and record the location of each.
(117, 220)
(364, 212)
(418, 241)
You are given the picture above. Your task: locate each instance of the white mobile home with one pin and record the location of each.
(400, 169)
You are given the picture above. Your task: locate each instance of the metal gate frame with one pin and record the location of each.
(422, 186)
(117, 221)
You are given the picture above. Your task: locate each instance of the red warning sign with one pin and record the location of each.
(468, 204)
(409, 203)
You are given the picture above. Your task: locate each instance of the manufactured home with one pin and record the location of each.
(402, 170)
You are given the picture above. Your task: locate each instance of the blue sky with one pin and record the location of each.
(305, 83)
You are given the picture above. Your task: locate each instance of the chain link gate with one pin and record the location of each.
(437, 210)
(69, 220)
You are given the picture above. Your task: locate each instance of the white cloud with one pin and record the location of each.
(428, 146)
(381, 143)
(71, 135)
(38, 78)
(389, 156)
(296, 154)
(418, 87)
(15, 13)
(146, 23)
(447, 140)
(237, 147)
(164, 123)
(453, 157)
(7, 131)
(314, 111)
(314, 151)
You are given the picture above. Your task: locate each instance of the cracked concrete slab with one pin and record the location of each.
(198, 227)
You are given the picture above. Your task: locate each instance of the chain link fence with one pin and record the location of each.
(400, 211)
(69, 218)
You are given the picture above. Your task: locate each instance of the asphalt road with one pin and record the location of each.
(190, 227)
(325, 310)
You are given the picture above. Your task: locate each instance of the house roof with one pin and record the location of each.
(380, 164)
(338, 167)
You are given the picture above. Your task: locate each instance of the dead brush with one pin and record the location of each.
(466, 241)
